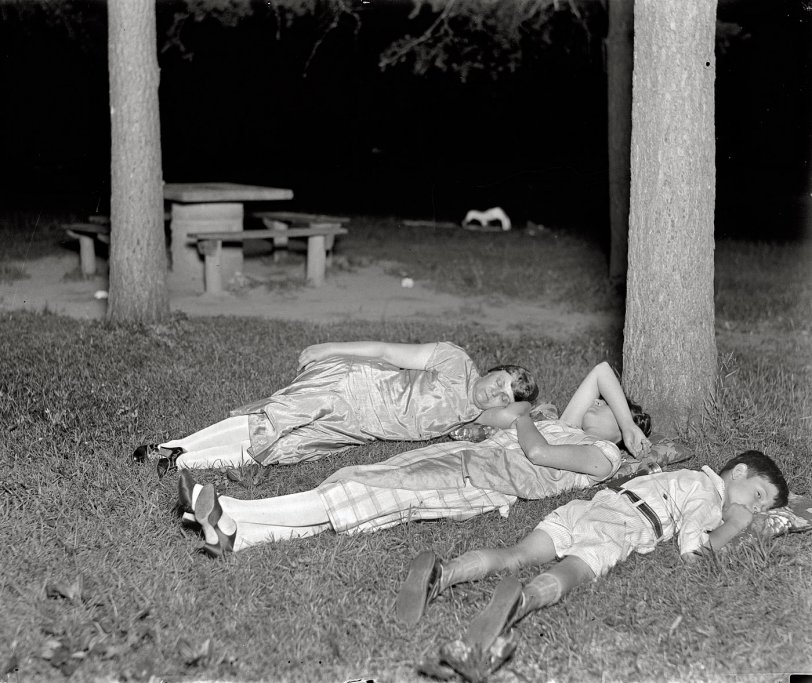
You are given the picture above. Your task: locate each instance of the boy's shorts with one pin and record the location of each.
(601, 532)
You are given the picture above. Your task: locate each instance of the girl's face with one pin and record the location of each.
(599, 421)
(493, 390)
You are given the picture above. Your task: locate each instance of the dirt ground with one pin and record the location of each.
(370, 292)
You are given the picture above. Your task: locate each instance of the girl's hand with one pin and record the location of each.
(314, 353)
(635, 440)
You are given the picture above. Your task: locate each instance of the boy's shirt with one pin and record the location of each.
(688, 503)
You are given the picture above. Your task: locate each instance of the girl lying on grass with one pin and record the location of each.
(456, 480)
(704, 510)
(349, 394)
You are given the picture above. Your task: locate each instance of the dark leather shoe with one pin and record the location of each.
(168, 462)
(186, 486)
(149, 451)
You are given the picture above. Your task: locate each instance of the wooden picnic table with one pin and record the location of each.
(210, 207)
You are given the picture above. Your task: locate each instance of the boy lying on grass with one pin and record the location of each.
(348, 394)
(451, 480)
(705, 510)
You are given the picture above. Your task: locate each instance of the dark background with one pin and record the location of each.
(240, 105)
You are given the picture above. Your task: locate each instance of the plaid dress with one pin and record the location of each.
(452, 480)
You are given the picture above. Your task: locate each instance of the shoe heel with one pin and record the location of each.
(186, 487)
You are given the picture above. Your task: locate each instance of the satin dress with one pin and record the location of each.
(345, 401)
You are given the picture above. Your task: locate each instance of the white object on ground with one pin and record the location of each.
(407, 282)
(485, 217)
(100, 294)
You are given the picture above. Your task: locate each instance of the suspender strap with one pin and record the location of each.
(643, 507)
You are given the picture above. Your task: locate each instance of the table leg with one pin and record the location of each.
(315, 260)
(189, 218)
(212, 251)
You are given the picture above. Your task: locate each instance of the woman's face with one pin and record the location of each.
(599, 421)
(493, 390)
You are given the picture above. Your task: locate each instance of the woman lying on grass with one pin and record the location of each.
(349, 394)
(456, 480)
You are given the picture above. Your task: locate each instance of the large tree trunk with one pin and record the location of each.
(619, 63)
(669, 350)
(137, 245)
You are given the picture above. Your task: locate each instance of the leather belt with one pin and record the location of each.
(643, 507)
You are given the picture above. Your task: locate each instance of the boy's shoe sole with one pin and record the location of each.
(418, 589)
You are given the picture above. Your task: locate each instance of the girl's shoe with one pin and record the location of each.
(208, 513)
(186, 487)
(147, 451)
(169, 462)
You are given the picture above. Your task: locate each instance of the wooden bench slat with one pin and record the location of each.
(239, 236)
(91, 228)
(295, 217)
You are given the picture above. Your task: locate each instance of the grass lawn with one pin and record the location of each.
(101, 581)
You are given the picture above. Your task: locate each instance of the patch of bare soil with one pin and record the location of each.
(277, 291)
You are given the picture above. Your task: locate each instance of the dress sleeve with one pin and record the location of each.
(612, 453)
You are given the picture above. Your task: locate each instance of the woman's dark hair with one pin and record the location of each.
(641, 419)
(760, 465)
(523, 385)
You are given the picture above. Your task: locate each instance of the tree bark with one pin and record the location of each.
(669, 350)
(137, 245)
(619, 64)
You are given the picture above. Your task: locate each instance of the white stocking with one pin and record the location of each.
(223, 444)
(256, 534)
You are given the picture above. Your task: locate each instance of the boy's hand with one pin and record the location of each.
(737, 516)
(313, 353)
(635, 440)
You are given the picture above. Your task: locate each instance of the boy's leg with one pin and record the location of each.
(550, 586)
(534, 549)
(509, 604)
(429, 576)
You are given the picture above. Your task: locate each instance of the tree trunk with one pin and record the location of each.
(619, 63)
(669, 350)
(137, 245)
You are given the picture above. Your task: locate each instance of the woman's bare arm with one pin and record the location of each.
(586, 459)
(406, 356)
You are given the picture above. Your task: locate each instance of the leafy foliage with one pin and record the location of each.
(485, 36)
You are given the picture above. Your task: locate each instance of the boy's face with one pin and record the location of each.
(493, 390)
(756, 493)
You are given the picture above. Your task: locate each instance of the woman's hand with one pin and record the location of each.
(313, 353)
(635, 440)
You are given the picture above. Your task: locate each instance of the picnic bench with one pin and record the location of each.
(210, 244)
(284, 220)
(87, 233)
(97, 227)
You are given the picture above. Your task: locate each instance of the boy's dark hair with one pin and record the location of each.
(762, 465)
(523, 385)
